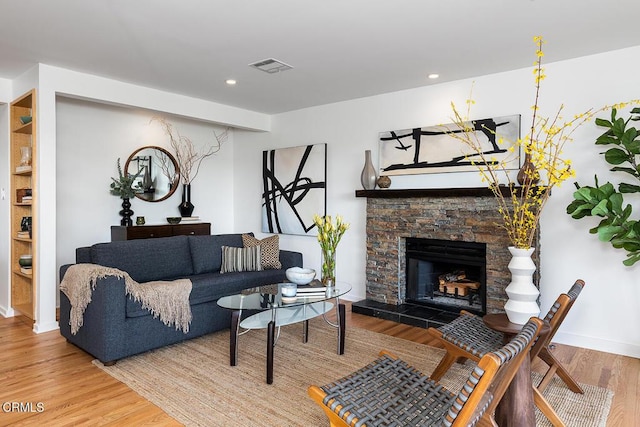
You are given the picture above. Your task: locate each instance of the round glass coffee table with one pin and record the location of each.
(277, 311)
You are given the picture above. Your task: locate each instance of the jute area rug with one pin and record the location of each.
(193, 382)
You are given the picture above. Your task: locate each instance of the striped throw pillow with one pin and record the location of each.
(240, 259)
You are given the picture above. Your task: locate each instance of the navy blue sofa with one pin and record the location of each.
(115, 326)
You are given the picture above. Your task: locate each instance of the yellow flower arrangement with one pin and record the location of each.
(543, 169)
(329, 235)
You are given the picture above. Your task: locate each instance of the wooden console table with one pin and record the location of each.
(121, 232)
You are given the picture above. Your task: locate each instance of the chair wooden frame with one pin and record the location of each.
(472, 403)
(554, 317)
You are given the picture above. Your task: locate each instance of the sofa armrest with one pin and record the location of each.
(103, 322)
(83, 255)
(63, 270)
(290, 259)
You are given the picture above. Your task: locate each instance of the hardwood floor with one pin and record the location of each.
(56, 384)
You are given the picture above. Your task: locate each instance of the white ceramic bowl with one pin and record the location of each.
(300, 276)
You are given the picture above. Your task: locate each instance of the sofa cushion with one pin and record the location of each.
(163, 258)
(270, 250)
(213, 286)
(206, 251)
(240, 259)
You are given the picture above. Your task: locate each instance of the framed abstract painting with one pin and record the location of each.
(432, 150)
(294, 188)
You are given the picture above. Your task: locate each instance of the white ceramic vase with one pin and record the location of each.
(523, 294)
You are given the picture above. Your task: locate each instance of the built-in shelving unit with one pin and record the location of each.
(23, 195)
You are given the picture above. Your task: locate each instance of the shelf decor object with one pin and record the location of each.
(368, 177)
(384, 181)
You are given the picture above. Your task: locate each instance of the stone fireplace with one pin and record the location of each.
(458, 215)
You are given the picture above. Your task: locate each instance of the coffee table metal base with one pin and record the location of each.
(270, 319)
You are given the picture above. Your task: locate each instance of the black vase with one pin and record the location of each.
(126, 213)
(186, 207)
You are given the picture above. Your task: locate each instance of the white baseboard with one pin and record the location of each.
(39, 328)
(593, 343)
(7, 311)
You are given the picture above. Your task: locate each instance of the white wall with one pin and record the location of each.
(91, 137)
(605, 314)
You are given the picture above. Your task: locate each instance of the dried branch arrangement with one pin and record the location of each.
(188, 156)
(166, 166)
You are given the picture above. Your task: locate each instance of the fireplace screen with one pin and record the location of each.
(449, 275)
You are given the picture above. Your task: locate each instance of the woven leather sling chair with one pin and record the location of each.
(468, 337)
(389, 392)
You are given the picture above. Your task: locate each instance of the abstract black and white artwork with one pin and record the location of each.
(432, 150)
(294, 188)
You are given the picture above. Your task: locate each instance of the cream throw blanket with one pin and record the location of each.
(167, 300)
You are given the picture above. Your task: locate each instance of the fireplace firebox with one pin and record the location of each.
(446, 274)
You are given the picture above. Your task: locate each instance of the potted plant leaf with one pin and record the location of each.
(125, 187)
(605, 201)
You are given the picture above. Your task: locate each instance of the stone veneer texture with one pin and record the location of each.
(471, 219)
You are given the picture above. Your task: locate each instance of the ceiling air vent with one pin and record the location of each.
(271, 66)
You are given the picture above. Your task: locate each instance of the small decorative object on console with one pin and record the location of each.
(124, 187)
(174, 219)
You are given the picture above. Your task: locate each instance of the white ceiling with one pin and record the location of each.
(340, 49)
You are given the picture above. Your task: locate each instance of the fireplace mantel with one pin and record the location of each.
(430, 192)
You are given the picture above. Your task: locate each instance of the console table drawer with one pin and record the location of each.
(120, 232)
(199, 229)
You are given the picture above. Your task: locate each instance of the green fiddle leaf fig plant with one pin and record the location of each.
(604, 201)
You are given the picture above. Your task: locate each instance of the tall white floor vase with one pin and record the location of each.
(523, 294)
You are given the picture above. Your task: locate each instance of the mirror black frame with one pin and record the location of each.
(149, 194)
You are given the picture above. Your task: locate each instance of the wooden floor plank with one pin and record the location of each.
(45, 368)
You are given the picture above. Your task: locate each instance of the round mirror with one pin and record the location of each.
(158, 173)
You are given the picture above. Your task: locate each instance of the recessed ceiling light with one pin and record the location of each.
(433, 76)
(231, 82)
